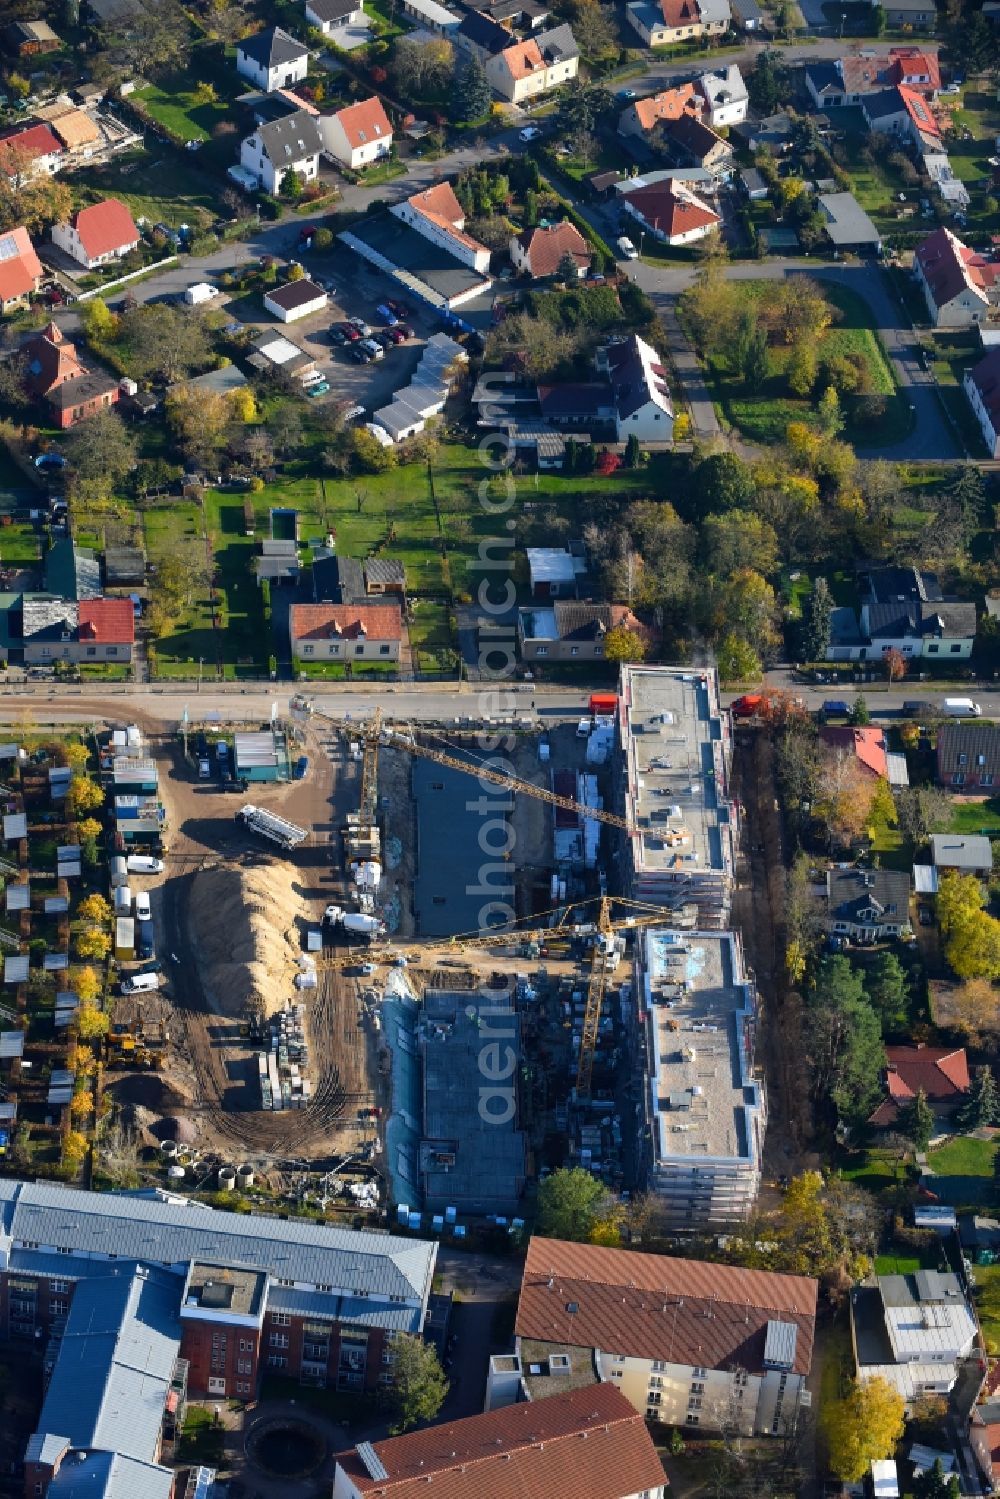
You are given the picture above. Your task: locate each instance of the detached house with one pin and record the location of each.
(669, 21)
(690, 142)
(643, 115)
(968, 756)
(331, 16)
(643, 407)
(959, 285)
(92, 236)
(272, 59)
(867, 905)
(348, 633)
(540, 252)
(56, 375)
(438, 216)
(725, 95)
(669, 211)
(904, 611)
(941, 1073)
(29, 152)
(913, 1331)
(904, 113)
(572, 631)
(89, 631)
(290, 144)
(357, 135)
(982, 387)
(20, 269)
(526, 69)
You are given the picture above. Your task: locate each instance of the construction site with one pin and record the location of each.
(421, 965)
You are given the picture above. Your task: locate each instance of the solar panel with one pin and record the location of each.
(373, 1464)
(8, 247)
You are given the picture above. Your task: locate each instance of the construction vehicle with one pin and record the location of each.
(277, 829)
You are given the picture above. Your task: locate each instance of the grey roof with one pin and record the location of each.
(384, 570)
(115, 1362)
(970, 747)
(557, 45)
(45, 1447)
(484, 34)
(48, 619)
(338, 580)
(11, 1044)
(890, 585)
(15, 825)
(271, 48)
(55, 905)
(354, 1309)
(747, 11)
(290, 139)
(825, 76)
(846, 221)
(854, 890)
(18, 897)
(15, 968)
(292, 294)
(449, 866)
(109, 1475)
(332, 10)
(312, 1253)
(951, 852)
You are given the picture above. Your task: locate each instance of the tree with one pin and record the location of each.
(101, 453)
(767, 82)
(915, 1120)
(623, 644)
(94, 908)
(888, 990)
(737, 661)
(159, 341)
(84, 795)
(74, 1149)
(568, 271)
(31, 198)
(737, 540)
(747, 605)
(82, 1104)
(472, 94)
(205, 93)
(843, 1041)
(419, 1383)
(981, 1107)
(583, 108)
(843, 795)
(972, 937)
(420, 70)
(369, 454)
(199, 421)
(895, 665)
(934, 1483)
(802, 368)
(972, 1009)
(153, 36)
(570, 1202)
(243, 404)
(831, 418)
(85, 983)
(754, 367)
(633, 452)
(863, 1427)
(594, 31)
(99, 322)
(91, 1022)
(922, 810)
(859, 714)
(816, 622)
(723, 481)
(92, 943)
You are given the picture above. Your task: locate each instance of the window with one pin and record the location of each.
(699, 1388)
(279, 1319)
(92, 650)
(279, 1340)
(275, 1361)
(958, 779)
(956, 648)
(658, 1365)
(694, 1402)
(245, 1366)
(699, 1373)
(986, 780)
(242, 1389)
(58, 1287)
(691, 1419)
(933, 649)
(216, 1386)
(383, 650)
(385, 1379)
(246, 1346)
(57, 1308)
(654, 1397)
(359, 650)
(541, 650)
(655, 1382)
(574, 650)
(388, 1357)
(963, 759)
(307, 650)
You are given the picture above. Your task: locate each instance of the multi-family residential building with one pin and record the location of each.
(668, 210)
(661, 23)
(675, 749)
(438, 217)
(960, 286)
(272, 59)
(94, 235)
(867, 905)
(529, 1449)
(940, 1073)
(725, 95)
(55, 374)
(693, 1345)
(357, 135)
(847, 80)
(525, 69)
(290, 144)
(340, 632)
(20, 269)
(912, 1331)
(968, 756)
(705, 1103)
(982, 387)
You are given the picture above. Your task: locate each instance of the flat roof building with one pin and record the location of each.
(675, 748)
(706, 1108)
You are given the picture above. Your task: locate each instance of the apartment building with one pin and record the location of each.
(674, 750)
(689, 1344)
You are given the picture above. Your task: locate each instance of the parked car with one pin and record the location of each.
(204, 770)
(361, 325)
(529, 133)
(350, 332)
(626, 248)
(143, 910)
(301, 768)
(338, 336)
(374, 349)
(628, 94)
(319, 389)
(360, 354)
(401, 309)
(925, 916)
(352, 413)
(395, 335)
(405, 331)
(835, 706)
(384, 338)
(387, 315)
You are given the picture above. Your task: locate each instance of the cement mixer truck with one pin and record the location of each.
(355, 923)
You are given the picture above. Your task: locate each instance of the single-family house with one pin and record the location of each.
(960, 286)
(662, 23)
(725, 95)
(540, 252)
(643, 407)
(866, 746)
(568, 630)
(910, 15)
(515, 1451)
(272, 59)
(437, 215)
(30, 39)
(669, 211)
(984, 1439)
(290, 144)
(525, 69)
(332, 16)
(555, 572)
(77, 132)
(358, 134)
(972, 854)
(481, 37)
(691, 142)
(643, 115)
(345, 632)
(968, 756)
(295, 299)
(29, 152)
(867, 905)
(912, 1331)
(847, 80)
(746, 15)
(903, 113)
(941, 1073)
(98, 233)
(56, 375)
(847, 225)
(982, 387)
(20, 269)
(91, 630)
(903, 610)
(733, 1342)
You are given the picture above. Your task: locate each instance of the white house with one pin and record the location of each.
(959, 285)
(982, 386)
(295, 299)
(290, 144)
(668, 210)
(272, 59)
(725, 96)
(437, 215)
(358, 134)
(526, 69)
(331, 16)
(92, 236)
(643, 407)
(925, 1331)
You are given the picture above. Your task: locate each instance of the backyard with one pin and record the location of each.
(156, 185)
(963, 1170)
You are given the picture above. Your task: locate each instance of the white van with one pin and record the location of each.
(140, 983)
(626, 248)
(143, 910)
(123, 900)
(143, 864)
(961, 707)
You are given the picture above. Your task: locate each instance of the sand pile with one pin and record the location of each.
(243, 926)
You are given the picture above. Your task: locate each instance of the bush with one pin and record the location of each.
(270, 207)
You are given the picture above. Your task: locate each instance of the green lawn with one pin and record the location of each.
(201, 1440)
(976, 817)
(987, 1298)
(877, 1170)
(155, 185)
(19, 543)
(964, 1168)
(174, 103)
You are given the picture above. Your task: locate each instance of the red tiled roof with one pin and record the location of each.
(949, 267)
(328, 621)
(670, 212)
(36, 140)
(20, 267)
(365, 122)
(651, 1306)
(867, 745)
(523, 59)
(908, 63)
(585, 1444)
(107, 621)
(680, 12)
(52, 360)
(439, 202)
(941, 1073)
(105, 227)
(545, 248)
(668, 105)
(919, 110)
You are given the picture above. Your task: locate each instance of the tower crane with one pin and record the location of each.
(377, 731)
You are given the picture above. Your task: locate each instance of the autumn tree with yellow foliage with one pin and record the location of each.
(971, 935)
(862, 1428)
